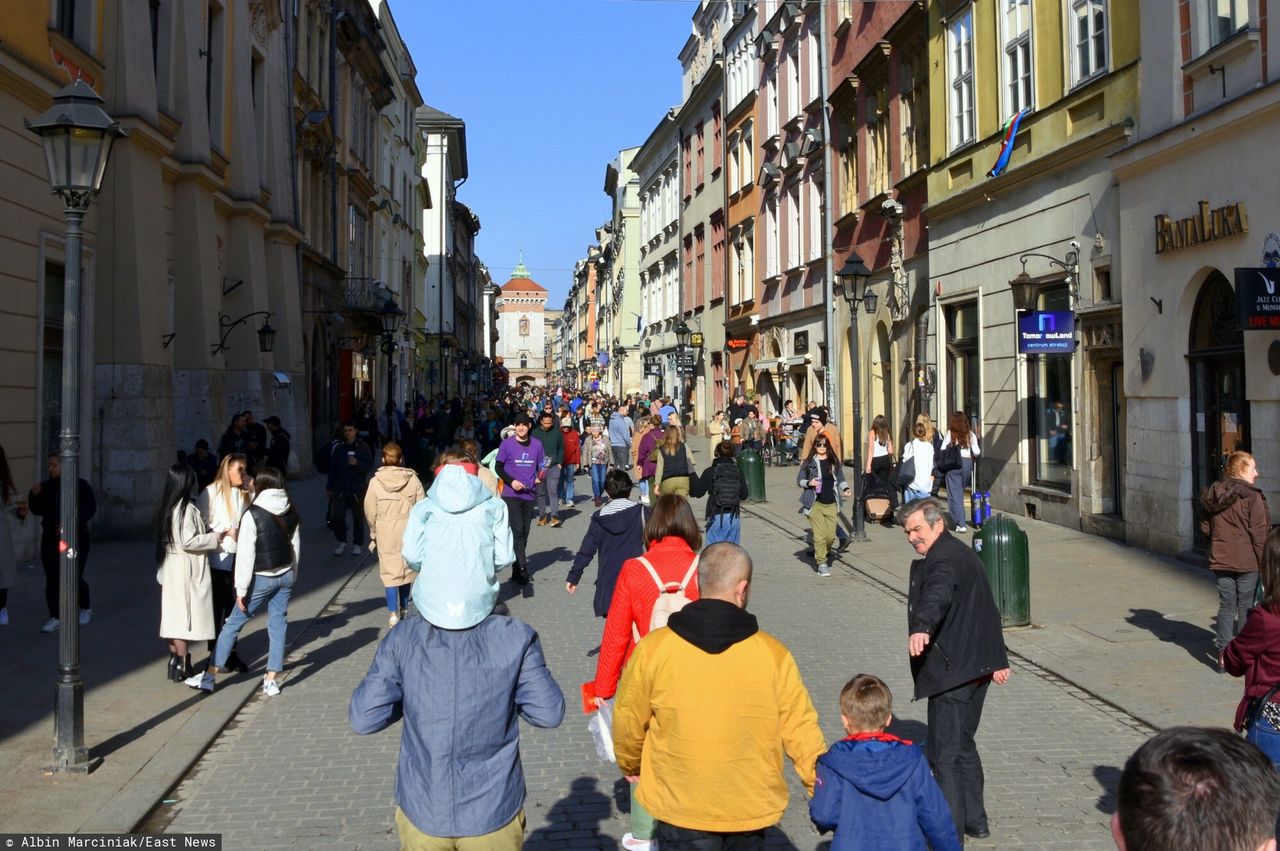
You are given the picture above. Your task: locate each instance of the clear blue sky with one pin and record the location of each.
(550, 91)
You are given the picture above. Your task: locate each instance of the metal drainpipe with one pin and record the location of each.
(333, 123)
(828, 292)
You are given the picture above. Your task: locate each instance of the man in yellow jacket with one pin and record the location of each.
(702, 709)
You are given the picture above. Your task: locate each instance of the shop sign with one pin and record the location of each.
(695, 339)
(1046, 332)
(1206, 226)
(734, 344)
(1258, 296)
(653, 369)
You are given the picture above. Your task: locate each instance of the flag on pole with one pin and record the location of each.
(1006, 147)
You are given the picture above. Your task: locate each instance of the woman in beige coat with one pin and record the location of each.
(391, 495)
(183, 545)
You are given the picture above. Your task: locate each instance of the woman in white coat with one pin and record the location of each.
(222, 504)
(183, 544)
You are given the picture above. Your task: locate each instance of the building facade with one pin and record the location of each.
(741, 310)
(1199, 236)
(522, 328)
(620, 285)
(657, 167)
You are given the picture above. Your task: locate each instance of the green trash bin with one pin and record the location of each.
(1002, 546)
(751, 465)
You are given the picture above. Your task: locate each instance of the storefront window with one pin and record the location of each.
(1052, 418)
(964, 388)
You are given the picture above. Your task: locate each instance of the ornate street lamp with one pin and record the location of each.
(853, 282)
(77, 135)
(446, 349)
(389, 317)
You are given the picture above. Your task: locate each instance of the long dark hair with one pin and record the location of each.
(179, 490)
(832, 455)
(1270, 572)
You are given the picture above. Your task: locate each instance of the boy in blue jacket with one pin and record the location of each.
(616, 533)
(874, 789)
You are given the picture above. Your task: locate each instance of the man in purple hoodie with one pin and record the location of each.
(520, 464)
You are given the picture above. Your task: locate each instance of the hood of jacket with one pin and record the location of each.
(616, 415)
(455, 490)
(713, 626)
(275, 500)
(394, 479)
(620, 516)
(1221, 495)
(874, 765)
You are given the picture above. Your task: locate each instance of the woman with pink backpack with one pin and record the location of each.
(649, 588)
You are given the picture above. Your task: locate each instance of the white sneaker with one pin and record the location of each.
(202, 681)
(51, 625)
(393, 620)
(270, 687)
(339, 550)
(86, 615)
(4, 616)
(962, 528)
(355, 551)
(630, 843)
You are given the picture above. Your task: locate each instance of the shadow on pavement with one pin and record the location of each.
(584, 808)
(1108, 777)
(313, 662)
(1193, 638)
(104, 749)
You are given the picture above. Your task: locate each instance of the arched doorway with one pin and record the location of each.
(881, 395)
(1219, 406)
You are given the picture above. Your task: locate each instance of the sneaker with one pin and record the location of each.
(844, 543)
(270, 688)
(824, 570)
(4, 616)
(961, 529)
(542, 521)
(555, 522)
(339, 550)
(86, 615)
(630, 843)
(357, 550)
(202, 681)
(644, 500)
(393, 620)
(51, 625)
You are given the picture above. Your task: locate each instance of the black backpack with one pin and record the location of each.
(322, 456)
(726, 487)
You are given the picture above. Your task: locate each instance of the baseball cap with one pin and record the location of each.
(522, 419)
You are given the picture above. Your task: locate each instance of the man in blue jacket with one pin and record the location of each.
(461, 686)
(957, 650)
(349, 464)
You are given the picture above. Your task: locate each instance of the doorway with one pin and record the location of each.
(1219, 405)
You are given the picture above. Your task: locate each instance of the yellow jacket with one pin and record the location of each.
(706, 730)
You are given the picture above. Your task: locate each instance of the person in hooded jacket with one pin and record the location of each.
(874, 789)
(616, 534)
(268, 549)
(392, 493)
(457, 539)
(725, 488)
(1236, 520)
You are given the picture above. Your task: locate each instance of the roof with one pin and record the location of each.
(520, 280)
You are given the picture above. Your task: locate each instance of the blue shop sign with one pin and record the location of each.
(1046, 332)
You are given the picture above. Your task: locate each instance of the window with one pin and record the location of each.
(1017, 56)
(913, 109)
(214, 39)
(688, 272)
(815, 218)
(1088, 38)
(1226, 18)
(815, 84)
(735, 164)
(771, 101)
(849, 177)
(964, 388)
(793, 226)
(700, 136)
(717, 140)
(717, 258)
(64, 19)
(686, 150)
(793, 81)
(748, 156)
(876, 119)
(844, 10)
(772, 248)
(960, 76)
(1049, 400)
(357, 241)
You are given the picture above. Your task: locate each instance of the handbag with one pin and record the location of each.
(1254, 709)
(904, 473)
(25, 534)
(949, 459)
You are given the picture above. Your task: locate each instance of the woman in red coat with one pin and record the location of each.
(572, 458)
(672, 540)
(1255, 655)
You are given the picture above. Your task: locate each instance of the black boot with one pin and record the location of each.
(520, 575)
(173, 668)
(184, 668)
(235, 664)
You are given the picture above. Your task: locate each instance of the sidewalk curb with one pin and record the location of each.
(177, 768)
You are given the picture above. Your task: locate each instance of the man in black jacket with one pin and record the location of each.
(45, 502)
(957, 649)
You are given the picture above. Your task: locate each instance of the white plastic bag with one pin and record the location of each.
(601, 727)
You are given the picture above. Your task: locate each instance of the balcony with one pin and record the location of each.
(363, 295)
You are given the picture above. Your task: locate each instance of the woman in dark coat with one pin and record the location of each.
(1237, 521)
(1255, 655)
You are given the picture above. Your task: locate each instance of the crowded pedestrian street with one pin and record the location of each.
(1093, 677)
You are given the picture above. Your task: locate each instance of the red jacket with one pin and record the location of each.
(1255, 655)
(633, 599)
(572, 447)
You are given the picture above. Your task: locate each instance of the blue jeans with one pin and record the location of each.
(956, 480)
(724, 527)
(1267, 738)
(598, 472)
(913, 494)
(567, 472)
(275, 592)
(398, 596)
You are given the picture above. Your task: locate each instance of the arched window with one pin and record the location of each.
(524, 359)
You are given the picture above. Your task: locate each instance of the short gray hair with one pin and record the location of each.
(722, 566)
(928, 506)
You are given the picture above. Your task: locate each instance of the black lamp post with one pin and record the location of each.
(683, 335)
(77, 135)
(389, 316)
(853, 282)
(446, 348)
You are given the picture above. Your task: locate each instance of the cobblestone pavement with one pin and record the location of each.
(288, 772)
